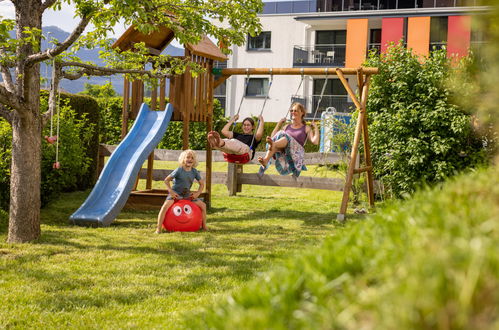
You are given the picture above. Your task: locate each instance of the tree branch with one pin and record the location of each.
(10, 99)
(7, 78)
(47, 4)
(49, 53)
(92, 70)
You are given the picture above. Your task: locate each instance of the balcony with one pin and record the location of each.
(339, 102)
(319, 56)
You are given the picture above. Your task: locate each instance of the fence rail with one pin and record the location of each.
(234, 177)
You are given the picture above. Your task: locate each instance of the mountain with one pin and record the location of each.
(91, 55)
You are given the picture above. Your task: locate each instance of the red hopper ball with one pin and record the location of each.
(183, 215)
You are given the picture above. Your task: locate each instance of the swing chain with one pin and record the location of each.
(242, 97)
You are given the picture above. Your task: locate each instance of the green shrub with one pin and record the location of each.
(110, 109)
(5, 161)
(77, 149)
(417, 134)
(76, 138)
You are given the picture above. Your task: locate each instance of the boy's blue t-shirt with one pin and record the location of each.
(183, 180)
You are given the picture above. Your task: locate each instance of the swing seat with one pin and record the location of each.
(237, 159)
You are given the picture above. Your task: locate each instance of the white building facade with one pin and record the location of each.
(335, 33)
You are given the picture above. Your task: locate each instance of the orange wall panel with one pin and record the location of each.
(418, 35)
(356, 42)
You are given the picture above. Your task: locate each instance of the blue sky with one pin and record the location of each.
(62, 19)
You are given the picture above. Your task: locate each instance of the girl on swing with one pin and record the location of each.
(237, 143)
(286, 144)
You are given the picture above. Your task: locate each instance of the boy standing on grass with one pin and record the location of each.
(183, 178)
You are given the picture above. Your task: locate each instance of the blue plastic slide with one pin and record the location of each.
(116, 181)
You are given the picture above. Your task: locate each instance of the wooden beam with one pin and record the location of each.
(311, 158)
(362, 169)
(350, 92)
(353, 155)
(220, 80)
(290, 181)
(296, 71)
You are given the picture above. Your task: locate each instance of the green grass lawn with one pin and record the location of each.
(124, 276)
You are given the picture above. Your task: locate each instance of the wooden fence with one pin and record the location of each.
(234, 178)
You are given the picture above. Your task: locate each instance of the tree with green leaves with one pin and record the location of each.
(20, 59)
(418, 132)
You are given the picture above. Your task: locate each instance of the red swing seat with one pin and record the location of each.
(237, 159)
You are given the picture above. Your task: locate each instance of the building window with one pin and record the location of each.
(438, 32)
(259, 42)
(375, 40)
(331, 37)
(257, 87)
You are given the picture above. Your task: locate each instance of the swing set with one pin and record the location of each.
(192, 100)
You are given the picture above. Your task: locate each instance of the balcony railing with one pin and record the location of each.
(319, 55)
(339, 102)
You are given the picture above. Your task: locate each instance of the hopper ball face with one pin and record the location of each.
(183, 215)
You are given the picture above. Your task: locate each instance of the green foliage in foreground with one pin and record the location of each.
(417, 132)
(427, 263)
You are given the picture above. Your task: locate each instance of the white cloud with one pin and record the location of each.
(7, 9)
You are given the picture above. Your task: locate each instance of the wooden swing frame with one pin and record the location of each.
(363, 75)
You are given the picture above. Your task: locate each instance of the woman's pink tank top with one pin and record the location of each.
(299, 134)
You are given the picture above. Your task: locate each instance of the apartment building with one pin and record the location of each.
(337, 33)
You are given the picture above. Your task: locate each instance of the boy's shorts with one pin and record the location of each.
(187, 196)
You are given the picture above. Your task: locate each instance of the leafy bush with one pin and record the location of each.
(76, 149)
(87, 109)
(110, 108)
(5, 161)
(417, 134)
(76, 137)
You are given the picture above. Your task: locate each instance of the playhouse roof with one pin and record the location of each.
(157, 41)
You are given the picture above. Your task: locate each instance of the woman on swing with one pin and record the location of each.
(286, 145)
(237, 143)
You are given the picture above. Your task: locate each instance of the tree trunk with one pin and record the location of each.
(25, 178)
(24, 218)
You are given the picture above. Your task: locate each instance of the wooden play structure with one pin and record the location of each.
(192, 99)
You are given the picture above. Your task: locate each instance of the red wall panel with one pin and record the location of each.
(458, 35)
(392, 30)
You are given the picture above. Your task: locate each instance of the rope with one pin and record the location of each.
(322, 94)
(296, 93)
(263, 107)
(242, 98)
(58, 127)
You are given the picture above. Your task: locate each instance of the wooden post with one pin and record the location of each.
(162, 94)
(150, 167)
(124, 113)
(186, 98)
(356, 141)
(232, 179)
(209, 127)
(367, 151)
